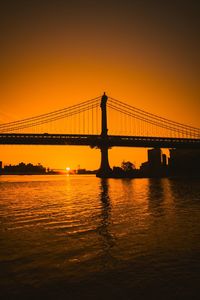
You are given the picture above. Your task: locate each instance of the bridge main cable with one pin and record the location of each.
(151, 118)
(49, 117)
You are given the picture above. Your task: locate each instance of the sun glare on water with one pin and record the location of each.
(68, 169)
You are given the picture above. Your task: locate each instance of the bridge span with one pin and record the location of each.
(151, 127)
(98, 141)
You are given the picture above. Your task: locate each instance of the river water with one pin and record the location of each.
(80, 237)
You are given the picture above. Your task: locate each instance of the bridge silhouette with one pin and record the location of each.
(85, 124)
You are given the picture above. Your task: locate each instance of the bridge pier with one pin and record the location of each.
(104, 170)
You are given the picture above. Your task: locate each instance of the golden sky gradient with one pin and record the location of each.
(55, 54)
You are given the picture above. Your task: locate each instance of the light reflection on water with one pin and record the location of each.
(82, 237)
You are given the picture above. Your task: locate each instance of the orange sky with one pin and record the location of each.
(57, 54)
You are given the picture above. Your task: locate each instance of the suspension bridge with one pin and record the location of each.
(86, 124)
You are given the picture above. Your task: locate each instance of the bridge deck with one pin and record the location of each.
(97, 140)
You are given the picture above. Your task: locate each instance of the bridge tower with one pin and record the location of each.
(104, 170)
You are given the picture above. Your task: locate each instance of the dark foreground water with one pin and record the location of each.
(80, 237)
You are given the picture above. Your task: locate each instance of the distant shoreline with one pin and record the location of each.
(111, 177)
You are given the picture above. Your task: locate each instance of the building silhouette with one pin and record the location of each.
(156, 166)
(23, 168)
(1, 167)
(184, 162)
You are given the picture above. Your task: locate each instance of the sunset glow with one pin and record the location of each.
(62, 56)
(100, 149)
